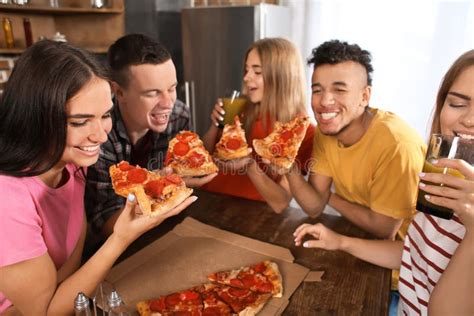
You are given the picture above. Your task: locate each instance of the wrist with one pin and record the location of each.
(344, 243)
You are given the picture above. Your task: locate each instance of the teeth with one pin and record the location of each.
(328, 116)
(160, 116)
(90, 148)
(465, 136)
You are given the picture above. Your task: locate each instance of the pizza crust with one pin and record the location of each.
(177, 198)
(231, 154)
(256, 306)
(203, 170)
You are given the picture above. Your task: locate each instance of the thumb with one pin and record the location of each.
(130, 204)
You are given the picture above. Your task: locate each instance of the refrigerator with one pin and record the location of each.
(160, 20)
(214, 42)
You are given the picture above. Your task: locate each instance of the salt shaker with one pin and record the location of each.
(116, 305)
(81, 305)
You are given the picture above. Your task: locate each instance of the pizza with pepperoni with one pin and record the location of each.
(225, 297)
(232, 144)
(187, 156)
(281, 146)
(155, 194)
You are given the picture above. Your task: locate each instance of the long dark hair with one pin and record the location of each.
(464, 61)
(33, 120)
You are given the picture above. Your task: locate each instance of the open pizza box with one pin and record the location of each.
(186, 255)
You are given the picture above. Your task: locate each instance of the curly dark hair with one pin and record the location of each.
(335, 52)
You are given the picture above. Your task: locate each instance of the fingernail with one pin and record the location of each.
(434, 161)
(131, 197)
(221, 118)
(217, 124)
(222, 112)
(421, 174)
(306, 244)
(427, 197)
(422, 185)
(194, 199)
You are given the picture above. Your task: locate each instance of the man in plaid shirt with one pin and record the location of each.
(146, 115)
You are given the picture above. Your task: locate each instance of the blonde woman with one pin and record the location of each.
(275, 87)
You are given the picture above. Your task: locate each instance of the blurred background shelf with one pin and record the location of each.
(86, 27)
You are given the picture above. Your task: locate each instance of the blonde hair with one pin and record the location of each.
(283, 80)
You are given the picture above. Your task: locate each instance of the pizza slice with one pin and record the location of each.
(263, 277)
(187, 302)
(281, 146)
(188, 157)
(243, 302)
(232, 144)
(155, 194)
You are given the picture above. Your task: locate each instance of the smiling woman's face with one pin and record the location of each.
(457, 114)
(253, 78)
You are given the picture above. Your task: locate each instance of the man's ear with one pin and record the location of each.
(366, 95)
(117, 90)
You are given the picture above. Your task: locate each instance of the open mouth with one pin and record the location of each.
(160, 118)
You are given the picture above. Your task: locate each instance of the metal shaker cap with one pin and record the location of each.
(81, 302)
(114, 299)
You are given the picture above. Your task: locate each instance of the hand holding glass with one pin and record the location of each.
(233, 104)
(444, 146)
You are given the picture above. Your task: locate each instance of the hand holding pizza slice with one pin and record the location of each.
(155, 194)
(281, 146)
(188, 157)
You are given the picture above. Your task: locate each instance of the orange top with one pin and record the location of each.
(241, 185)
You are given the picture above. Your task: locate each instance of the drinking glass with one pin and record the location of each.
(233, 104)
(443, 146)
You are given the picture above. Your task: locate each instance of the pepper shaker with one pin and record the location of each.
(81, 305)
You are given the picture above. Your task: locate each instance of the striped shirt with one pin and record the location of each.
(100, 199)
(429, 246)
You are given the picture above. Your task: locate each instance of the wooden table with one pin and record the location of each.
(349, 286)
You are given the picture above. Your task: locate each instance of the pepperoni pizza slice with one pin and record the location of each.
(188, 302)
(188, 157)
(155, 194)
(282, 145)
(263, 277)
(232, 144)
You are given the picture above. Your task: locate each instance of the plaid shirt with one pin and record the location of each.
(100, 199)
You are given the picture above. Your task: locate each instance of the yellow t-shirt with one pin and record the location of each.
(380, 171)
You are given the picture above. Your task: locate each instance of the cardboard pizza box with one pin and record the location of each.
(186, 255)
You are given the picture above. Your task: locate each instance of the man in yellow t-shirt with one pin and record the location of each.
(372, 157)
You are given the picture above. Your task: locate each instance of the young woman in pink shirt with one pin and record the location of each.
(436, 259)
(54, 115)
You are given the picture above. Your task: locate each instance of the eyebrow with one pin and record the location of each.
(459, 95)
(81, 115)
(337, 83)
(151, 90)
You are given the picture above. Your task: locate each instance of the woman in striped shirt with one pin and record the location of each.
(437, 258)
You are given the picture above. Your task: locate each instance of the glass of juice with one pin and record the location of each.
(444, 146)
(233, 104)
